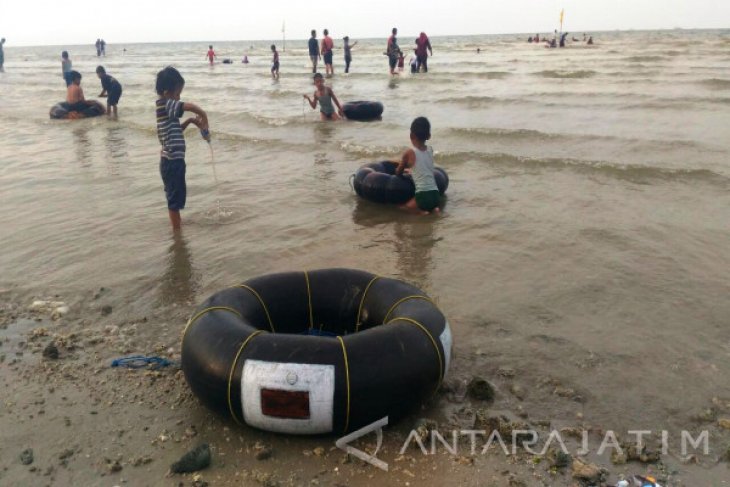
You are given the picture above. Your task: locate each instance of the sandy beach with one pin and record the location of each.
(581, 257)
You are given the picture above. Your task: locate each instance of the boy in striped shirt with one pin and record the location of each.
(170, 84)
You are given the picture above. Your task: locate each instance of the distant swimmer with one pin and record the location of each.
(478, 50)
(210, 55)
(562, 39)
(537, 38)
(325, 97)
(529, 39)
(245, 59)
(575, 39)
(590, 40)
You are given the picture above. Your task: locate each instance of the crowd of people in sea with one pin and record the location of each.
(417, 160)
(559, 39)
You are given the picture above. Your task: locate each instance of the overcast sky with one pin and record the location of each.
(36, 22)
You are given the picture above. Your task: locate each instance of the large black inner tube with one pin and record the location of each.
(363, 110)
(318, 352)
(91, 108)
(377, 182)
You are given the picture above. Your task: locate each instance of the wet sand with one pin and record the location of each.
(90, 424)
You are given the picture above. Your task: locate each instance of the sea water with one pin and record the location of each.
(584, 240)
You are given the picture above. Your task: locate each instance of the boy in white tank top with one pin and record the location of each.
(419, 160)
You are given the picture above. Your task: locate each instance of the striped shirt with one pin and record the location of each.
(169, 131)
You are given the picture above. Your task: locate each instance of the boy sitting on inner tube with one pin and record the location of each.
(419, 161)
(75, 96)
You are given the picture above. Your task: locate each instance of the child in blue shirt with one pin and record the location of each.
(110, 88)
(169, 86)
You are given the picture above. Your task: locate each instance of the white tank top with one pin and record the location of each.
(422, 170)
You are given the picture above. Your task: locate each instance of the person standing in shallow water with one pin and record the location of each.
(169, 109)
(314, 50)
(423, 48)
(392, 51)
(66, 67)
(348, 52)
(2, 55)
(327, 45)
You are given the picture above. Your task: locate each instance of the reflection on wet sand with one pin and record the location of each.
(116, 143)
(180, 281)
(82, 143)
(414, 242)
(413, 238)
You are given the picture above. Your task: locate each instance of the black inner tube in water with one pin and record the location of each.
(377, 182)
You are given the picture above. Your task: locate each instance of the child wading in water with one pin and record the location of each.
(110, 88)
(210, 55)
(275, 63)
(66, 67)
(170, 84)
(325, 96)
(419, 160)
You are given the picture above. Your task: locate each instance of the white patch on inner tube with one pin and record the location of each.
(317, 380)
(446, 342)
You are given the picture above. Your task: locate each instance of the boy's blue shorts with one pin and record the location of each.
(114, 94)
(173, 175)
(67, 77)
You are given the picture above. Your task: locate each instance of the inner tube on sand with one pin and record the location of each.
(320, 352)
(363, 110)
(377, 182)
(64, 110)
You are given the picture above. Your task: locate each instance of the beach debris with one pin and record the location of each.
(26, 456)
(55, 308)
(638, 481)
(518, 391)
(636, 453)
(263, 452)
(506, 372)
(558, 459)
(51, 351)
(480, 389)
(724, 423)
(194, 460)
(141, 361)
(106, 310)
(464, 418)
(423, 428)
(587, 472)
(708, 415)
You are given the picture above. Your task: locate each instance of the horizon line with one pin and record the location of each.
(379, 37)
